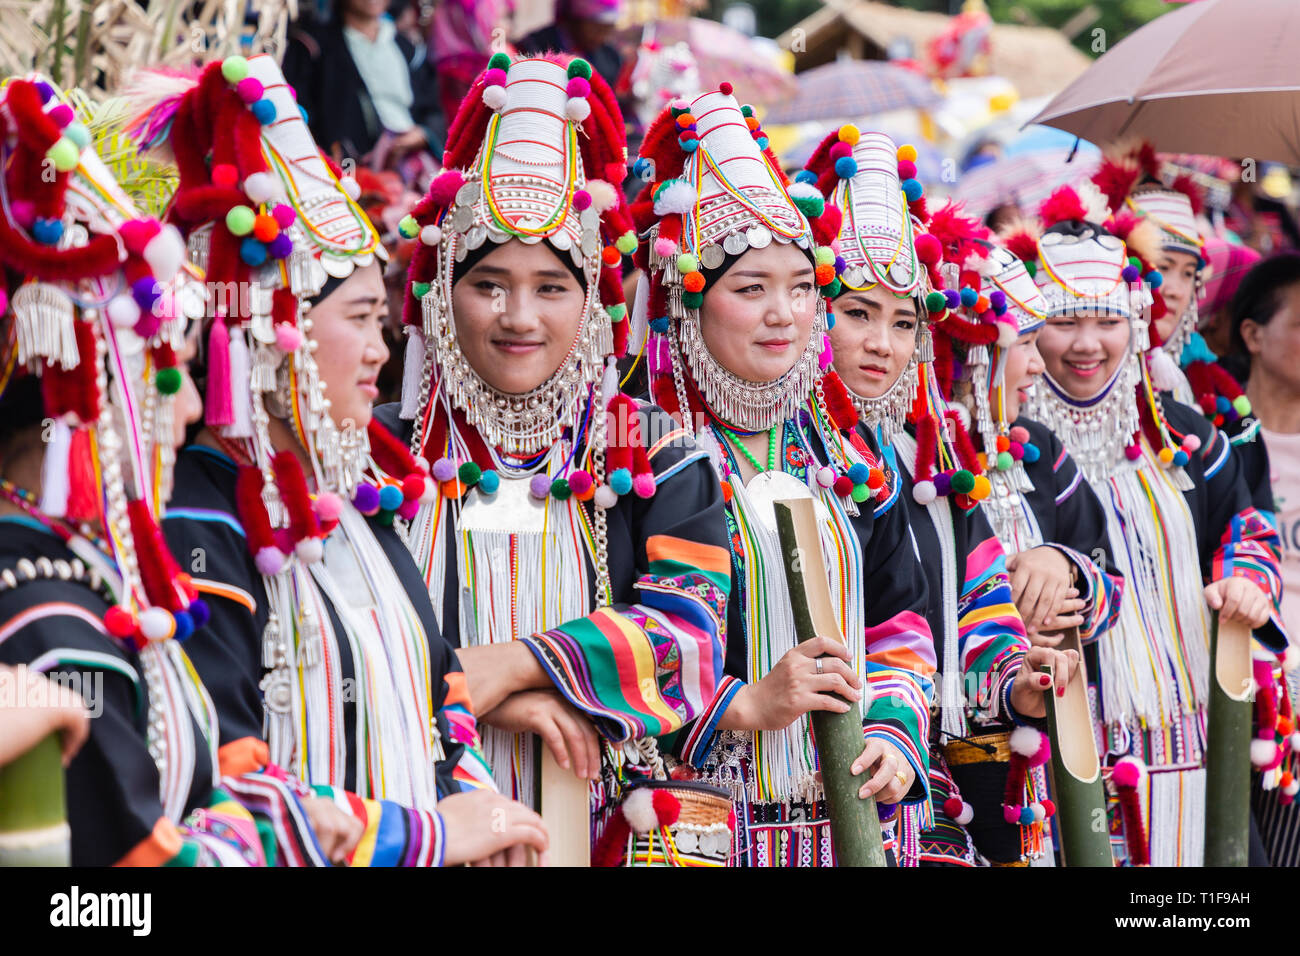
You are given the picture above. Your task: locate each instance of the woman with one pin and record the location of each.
(1172, 489)
(322, 639)
(881, 341)
(575, 551)
(737, 300)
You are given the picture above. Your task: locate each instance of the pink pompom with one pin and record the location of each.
(1132, 452)
(443, 189)
(148, 324)
(287, 337)
(24, 212)
(269, 561)
(664, 248)
(827, 355)
(328, 506)
(136, 234)
(408, 510)
(1017, 450)
(1011, 814)
(250, 89)
(906, 169)
(284, 215)
(581, 200)
(580, 482)
(578, 87)
(643, 485)
(1127, 772)
(928, 249)
(494, 77)
(1020, 433)
(1192, 443)
(62, 115)
(840, 150)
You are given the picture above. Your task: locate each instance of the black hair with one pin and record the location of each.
(474, 256)
(21, 407)
(1258, 298)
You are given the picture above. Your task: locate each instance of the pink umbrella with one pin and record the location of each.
(1216, 77)
(1024, 180)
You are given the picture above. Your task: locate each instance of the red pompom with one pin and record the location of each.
(724, 88)
(843, 486)
(119, 621)
(413, 486)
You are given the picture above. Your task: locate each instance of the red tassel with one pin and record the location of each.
(1014, 795)
(154, 573)
(965, 448)
(838, 404)
(611, 848)
(219, 405)
(292, 483)
(927, 434)
(1134, 832)
(252, 510)
(284, 307)
(84, 501)
(390, 454)
(826, 227)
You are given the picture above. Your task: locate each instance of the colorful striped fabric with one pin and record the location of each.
(1251, 549)
(471, 772)
(650, 667)
(900, 663)
(989, 628)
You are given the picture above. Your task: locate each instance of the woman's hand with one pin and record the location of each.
(1042, 582)
(338, 833)
(486, 829)
(36, 707)
(495, 671)
(891, 773)
(807, 678)
(1029, 685)
(1239, 599)
(563, 728)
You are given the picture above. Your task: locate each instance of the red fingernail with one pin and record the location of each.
(1044, 680)
(1060, 692)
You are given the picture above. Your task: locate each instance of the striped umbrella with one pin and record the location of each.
(1025, 180)
(852, 89)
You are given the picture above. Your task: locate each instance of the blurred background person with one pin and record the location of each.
(584, 28)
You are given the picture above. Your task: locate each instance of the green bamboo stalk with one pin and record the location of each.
(855, 825)
(33, 808)
(81, 60)
(1227, 752)
(1080, 803)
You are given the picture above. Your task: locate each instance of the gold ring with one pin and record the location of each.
(902, 777)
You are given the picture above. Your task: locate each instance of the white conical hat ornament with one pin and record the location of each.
(1024, 301)
(1172, 212)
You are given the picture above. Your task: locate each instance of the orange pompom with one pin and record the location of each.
(1285, 726)
(751, 122)
(611, 256)
(1287, 780)
(726, 492)
(1004, 443)
(265, 228)
(1166, 455)
(452, 489)
(983, 460)
(983, 488)
(825, 274)
(875, 478)
(693, 282)
(685, 120)
(982, 305)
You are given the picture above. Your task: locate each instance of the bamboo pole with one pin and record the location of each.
(855, 825)
(1076, 770)
(1227, 752)
(565, 805)
(33, 808)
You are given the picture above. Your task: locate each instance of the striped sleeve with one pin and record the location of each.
(991, 641)
(652, 662)
(471, 771)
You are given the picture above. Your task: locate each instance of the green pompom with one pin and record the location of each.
(687, 263)
(408, 227)
(692, 300)
(747, 110)
(810, 206)
(833, 288)
(239, 220)
(1005, 461)
(499, 61)
(64, 154)
(168, 380)
(385, 518)
(579, 67)
(963, 482)
(234, 69)
(626, 243)
(824, 256)
(78, 133)
(469, 473)
(935, 302)
(1135, 262)
(419, 289)
(860, 492)
(1242, 404)
(560, 489)
(616, 312)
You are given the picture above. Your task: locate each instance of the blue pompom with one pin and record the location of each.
(762, 142)
(913, 189)
(952, 298)
(969, 296)
(184, 625)
(390, 498)
(846, 167)
(264, 111)
(830, 320)
(1222, 404)
(252, 252)
(1031, 452)
(1026, 815)
(640, 166)
(689, 145)
(859, 473)
(47, 231)
(199, 612)
(1180, 458)
(620, 481)
(659, 325)
(804, 176)
(1155, 279)
(489, 482)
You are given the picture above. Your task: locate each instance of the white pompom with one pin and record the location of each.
(1295, 742)
(1262, 752)
(123, 311)
(494, 98)
(639, 810)
(924, 492)
(157, 624)
(677, 196)
(1268, 780)
(165, 252)
(1040, 812)
(577, 108)
(309, 550)
(430, 493)
(1025, 741)
(1007, 335)
(259, 187)
(826, 476)
(606, 497)
(351, 188)
(967, 814)
(1292, 788)
(804, 191)
(963, 413)
(431, 235)
(1164, 373)
(603, 195)
(1291, 659)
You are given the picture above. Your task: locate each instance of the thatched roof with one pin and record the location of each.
(1038, 60)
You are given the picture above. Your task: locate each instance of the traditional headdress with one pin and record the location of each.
(882, 242)
(274, 226)
(94, 303)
